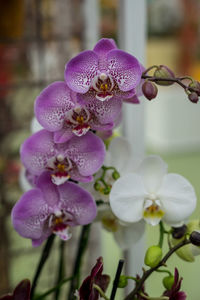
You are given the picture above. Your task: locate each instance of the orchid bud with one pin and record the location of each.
(149, 90)
(195, 238)
(163, 72)
(153, 256)
(123, 281)
(179, 232)
(107, 190)
(168, 282)
(195, 85)
(193, 97)
(188, 252)
(115, 175)
(97, 186)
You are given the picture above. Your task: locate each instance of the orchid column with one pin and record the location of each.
(132, 22)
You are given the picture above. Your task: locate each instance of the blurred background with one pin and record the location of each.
(37, 38)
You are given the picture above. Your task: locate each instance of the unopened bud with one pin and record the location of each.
(107, 190)
(153, 256)
(164, 72)
(168, 282)
(115, 175)
(123, 281)
(97, 186)
(193, 97)
(195, 85)
(179, 232)
(149, 90)
(195, 238)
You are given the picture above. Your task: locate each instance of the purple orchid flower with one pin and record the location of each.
(59, 110)
(175, 293)
(103, 72)
(21, 292)
(51, 209)
(87, 291)
(78, 159)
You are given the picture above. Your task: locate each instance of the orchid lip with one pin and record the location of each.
(58, 224)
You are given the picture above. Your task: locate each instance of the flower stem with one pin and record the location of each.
(60, 269)
(147, 273)
(116, 280)
(45, 254)
(101, 292)
(83, 241)
(162, 230)
(53, 289)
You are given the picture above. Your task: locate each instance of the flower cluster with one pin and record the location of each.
(78, 172)
(75, 115)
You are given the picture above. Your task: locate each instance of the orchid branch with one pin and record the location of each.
(45, 254)
(147, 273)
(53, 289)
(60, 269)
(83, 241)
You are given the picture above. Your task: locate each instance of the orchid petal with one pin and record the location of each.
(152, 169)
(124, 68)
(29, 214)
(101, 49)
(81, 70)
(52, 104)
(78, 202)
(127, 198)
(63, 135)
(126, 236)
(120, 153)
(178, 198)
(36, 150)
(87, 152)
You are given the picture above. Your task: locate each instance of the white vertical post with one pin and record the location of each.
(91, 12)
(132, 38)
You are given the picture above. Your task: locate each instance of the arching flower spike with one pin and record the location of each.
(51, 209)
(152, 194)
(59, 110)
(78, 159)
(104, 72)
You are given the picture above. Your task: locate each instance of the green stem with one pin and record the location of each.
(101, 292)
(53, 289)
(161, 238)
(133, 278)
(154, 298)
(60, 269)
(83, 241)
(147, 273)
(45, 254)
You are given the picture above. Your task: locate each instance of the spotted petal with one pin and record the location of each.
(36, 150)
(52, 104)
(87, 152)
(29, 215)
(80, 71)
(78, 202)
(178, 199)
(127, 198)
(124, 68)
(101, 49)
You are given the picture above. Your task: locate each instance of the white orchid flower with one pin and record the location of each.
(119, 156)
(152, 194)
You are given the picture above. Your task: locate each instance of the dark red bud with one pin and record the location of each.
(149, 90)
(195, 238)
(193, 97)
(164, 72)
(179, 232)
